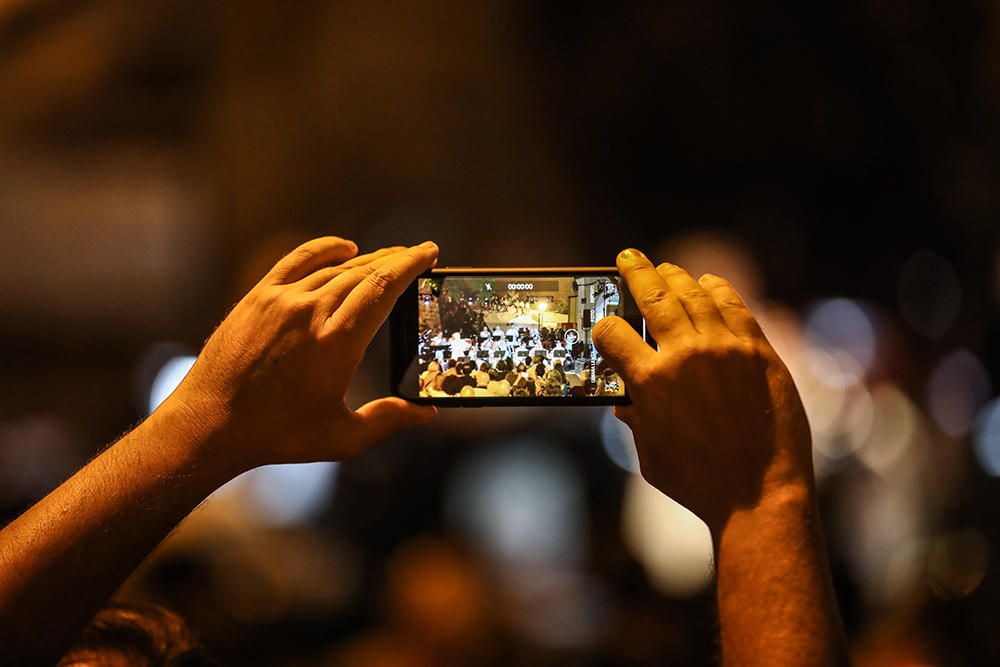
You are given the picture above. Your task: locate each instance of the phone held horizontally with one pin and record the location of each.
(505, 337)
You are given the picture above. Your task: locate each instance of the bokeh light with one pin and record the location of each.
(37, 452)
(283, 494)
(521, 503)
(671, 542)
(956, 563)
(846, 332)
(987, 437)
(957, 388)
(618, 442)
(897, 429)
(167, 379)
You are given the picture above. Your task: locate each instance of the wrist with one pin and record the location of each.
(198, 436)
(783, 506)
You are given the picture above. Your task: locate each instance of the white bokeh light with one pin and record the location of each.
(618, 442)
(283, 494)
(987, 437)
(167, 379)
(673, 544)
(522, 504)
(845, 331)
(958, 386)
(898, 427)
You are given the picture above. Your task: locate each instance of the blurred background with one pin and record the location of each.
(838, 161)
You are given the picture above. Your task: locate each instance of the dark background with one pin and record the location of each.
(156, 157)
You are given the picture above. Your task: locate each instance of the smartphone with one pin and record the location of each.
(501, 336)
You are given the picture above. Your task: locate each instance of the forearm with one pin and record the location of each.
(776, 602)
(63, 558)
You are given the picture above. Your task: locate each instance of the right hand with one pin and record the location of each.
(717, 420)
(270, 383)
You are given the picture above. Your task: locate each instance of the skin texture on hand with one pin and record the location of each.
(716, 417)
(274, 374)
(268, 387)
(720, 428)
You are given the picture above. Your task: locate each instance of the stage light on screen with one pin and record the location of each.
(929, 293)
(958, 386)
(167, 379)
(986, 439)
(673, 544)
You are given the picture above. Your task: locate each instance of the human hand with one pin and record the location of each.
(270, 383)
(717, 420)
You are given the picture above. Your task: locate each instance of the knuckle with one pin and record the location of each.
(730, 303)
(654, 297)
(292, 303)
(378, 281)
(267, 297)
(692, 294)
(303, 252)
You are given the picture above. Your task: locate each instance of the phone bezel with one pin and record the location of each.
(403, 337)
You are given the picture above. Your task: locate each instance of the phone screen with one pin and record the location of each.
(511, 337)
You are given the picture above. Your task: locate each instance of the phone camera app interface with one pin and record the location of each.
(521, 337)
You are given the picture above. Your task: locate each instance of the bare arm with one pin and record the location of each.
(720, 428)
(268, 388)
(62, 559)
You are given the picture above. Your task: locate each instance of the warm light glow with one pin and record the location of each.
(543, 306)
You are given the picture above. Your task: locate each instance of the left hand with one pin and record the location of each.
(270, 383)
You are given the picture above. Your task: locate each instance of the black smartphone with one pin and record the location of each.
(501, 336)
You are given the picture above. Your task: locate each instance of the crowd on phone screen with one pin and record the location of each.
(519, 362)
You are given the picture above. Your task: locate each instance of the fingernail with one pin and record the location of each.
(629, 254)
(428, 244)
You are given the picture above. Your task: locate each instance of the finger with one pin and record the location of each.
(310, 256)
(620, 345)
(697, 303)
(659, 306)
(731, 307)
(368, 304)
(333, 294)
(378, 419)
(318, 278)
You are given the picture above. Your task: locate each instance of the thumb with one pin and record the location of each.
(619, 344)
(378, 419)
